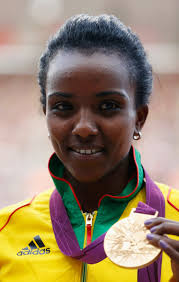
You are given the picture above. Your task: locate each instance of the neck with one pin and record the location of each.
(113, 183)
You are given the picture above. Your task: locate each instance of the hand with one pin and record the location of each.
(159, 227)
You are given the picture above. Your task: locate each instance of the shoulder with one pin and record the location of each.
(36, 204)
(170, 194)
(171, 197)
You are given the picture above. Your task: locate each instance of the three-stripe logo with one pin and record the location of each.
(35, 247)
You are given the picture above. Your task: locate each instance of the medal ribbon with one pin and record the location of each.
(155, 200)
(93, 253)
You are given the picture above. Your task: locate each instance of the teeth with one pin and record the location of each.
(87, 152)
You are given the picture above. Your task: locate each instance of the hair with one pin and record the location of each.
(107, 34)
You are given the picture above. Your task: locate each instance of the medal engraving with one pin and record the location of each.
(126, 245)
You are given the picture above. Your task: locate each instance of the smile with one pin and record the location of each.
(87, 151)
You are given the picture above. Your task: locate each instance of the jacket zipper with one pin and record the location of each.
(88, 225)
(89, 222)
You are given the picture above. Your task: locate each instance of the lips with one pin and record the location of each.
(86, 151)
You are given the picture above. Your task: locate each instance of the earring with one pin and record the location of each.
(138, 136)
(48, 135)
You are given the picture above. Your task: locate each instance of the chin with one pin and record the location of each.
(86, 177)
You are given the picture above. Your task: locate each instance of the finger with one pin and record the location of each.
(166, 227)
(175, 270)
(169, 250)
(156, 221)
(155, 239)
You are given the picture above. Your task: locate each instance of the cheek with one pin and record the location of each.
(55, 125)
(58, 131)
(120, 131)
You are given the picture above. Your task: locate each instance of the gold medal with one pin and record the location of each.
(126, 245)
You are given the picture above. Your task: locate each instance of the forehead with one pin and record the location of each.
(98, 69)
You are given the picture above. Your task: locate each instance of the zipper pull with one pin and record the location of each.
(89, 221)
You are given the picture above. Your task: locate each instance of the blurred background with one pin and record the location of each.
(25, 26)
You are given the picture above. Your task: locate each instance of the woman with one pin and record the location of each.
(95, 82)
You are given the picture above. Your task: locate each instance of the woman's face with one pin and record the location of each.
(91, 115)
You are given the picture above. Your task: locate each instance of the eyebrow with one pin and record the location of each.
(112, 92)
(62, 94)
(100, 94)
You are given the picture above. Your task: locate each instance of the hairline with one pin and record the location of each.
(103, 50)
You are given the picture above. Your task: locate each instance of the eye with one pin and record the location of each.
(63, 106)
(109, 105)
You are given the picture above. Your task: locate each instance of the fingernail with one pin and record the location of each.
(153, 229)
(163, 244)
(148, 221)
(150, 236)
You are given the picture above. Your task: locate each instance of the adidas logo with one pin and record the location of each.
(35, 247)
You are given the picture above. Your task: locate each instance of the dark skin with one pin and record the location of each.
(91, 108)
(90, 100)
(160, 228)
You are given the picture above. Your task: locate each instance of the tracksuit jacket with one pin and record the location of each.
(49, 238)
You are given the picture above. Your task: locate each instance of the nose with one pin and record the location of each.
(85, 125)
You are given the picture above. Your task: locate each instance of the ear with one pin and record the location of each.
(142, 113)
